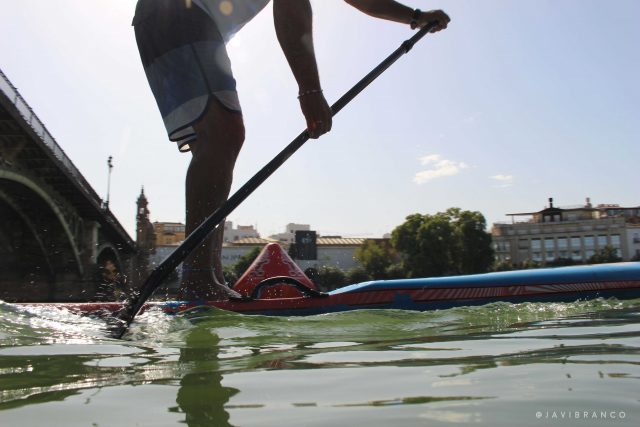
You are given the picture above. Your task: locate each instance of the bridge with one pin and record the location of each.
(58, 240)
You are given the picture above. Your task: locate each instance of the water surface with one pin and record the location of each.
(500, 365)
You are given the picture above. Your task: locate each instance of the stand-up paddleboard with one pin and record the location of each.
(563, 284)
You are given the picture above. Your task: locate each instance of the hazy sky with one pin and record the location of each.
(516, 102)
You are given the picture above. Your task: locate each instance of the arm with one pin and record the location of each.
(397, 12)
(293, 24)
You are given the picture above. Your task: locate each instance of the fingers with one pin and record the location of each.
(317, 114)
(439, 17)
(318, 128)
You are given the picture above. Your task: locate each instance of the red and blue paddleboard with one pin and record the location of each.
(291, 293)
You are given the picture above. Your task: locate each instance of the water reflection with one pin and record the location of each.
(201, 395)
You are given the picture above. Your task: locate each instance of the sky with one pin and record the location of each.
(516, 102)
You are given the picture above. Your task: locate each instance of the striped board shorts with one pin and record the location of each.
(186, 63)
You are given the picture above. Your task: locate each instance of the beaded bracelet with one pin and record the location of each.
(309, 92)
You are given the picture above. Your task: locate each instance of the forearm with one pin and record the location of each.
(293, 24)
(384, 9)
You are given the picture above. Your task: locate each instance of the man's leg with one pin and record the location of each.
(220, 136)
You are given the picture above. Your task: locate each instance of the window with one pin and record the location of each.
(615, 240)
(549, 243)
(550, 256)
(576, 242)
(537, 256)
(576, 255)
(502, 246)
(535, 244)
(589, 241)
(562, 243)
(602, 241)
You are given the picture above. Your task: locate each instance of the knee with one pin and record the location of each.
(220, 137)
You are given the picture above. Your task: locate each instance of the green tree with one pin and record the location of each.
(245, 261)
(476, 255)
(329, 278)
(451, 242)
(605, 255)
(502, 266)
(562, 262)
(396, 271)
(530, 265)
(229, 274)
(376, 257)
(358, 275)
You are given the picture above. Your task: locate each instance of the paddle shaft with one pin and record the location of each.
(125, 317)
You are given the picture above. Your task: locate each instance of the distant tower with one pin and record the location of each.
(142, 218)
(145, 239)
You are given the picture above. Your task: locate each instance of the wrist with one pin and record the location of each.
(415, 19)
(304, 93)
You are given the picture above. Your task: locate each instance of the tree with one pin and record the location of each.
(358, 275)
(229, 273)
(605, 255)
(328, 278)
(376, 257)
(562, 262)
(502, 266)
(245, 261)
(447, 243)
(476, 253)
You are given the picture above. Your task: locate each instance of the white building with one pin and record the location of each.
(633, 240)
(335, 251)
(289, 236)
(241, 232)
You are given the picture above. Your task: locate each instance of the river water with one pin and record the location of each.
(499, 365)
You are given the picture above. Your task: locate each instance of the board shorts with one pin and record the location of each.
(186, 63)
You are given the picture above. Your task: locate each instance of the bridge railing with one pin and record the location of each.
(39, 128)
(64, 161)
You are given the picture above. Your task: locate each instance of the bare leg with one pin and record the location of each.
(220, 137)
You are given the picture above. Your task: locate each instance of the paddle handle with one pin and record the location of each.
(124, 318)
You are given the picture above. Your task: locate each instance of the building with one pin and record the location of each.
(233, 251)
(570, 233)
(173, 233)
(169, 233)
(334, 251)
(289, 236)
(241, 232)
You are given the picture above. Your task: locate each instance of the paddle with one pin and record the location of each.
(119, 324)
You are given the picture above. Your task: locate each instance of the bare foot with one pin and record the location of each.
(195, 287)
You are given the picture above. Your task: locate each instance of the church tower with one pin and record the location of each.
(145, 240)
(142, 218)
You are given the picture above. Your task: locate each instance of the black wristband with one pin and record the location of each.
(414, 19)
